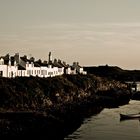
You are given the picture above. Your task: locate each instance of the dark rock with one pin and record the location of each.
(136, 95)
(55, 106)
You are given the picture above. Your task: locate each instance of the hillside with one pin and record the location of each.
(34, 93)
(54, 107)
(114, 72)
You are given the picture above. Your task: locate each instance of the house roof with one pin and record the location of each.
(36, 64)
(20, 67)
(24, 59)
(57, 65)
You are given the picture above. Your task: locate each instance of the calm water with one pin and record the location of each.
(107, 125)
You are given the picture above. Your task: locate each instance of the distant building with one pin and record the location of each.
(12, 66)
(78, 68)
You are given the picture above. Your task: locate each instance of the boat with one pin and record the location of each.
(129, 116)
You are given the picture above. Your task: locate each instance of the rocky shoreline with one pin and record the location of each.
(55, 107)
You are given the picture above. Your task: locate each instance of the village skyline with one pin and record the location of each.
(92, 32)
(12, 66)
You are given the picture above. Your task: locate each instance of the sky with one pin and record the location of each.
(92, 32)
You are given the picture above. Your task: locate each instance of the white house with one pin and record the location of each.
(78, 68)
(8, 70)
(12, 71)
(3, 68)
(12, 66)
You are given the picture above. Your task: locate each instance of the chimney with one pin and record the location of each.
(50, 57)
(16, 58)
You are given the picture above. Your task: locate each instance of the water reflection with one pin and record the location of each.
(55, 126)
(131, 119)
(74, 136)
(107, 125)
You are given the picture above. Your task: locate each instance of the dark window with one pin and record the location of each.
(1, 73)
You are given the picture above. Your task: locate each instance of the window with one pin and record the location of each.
(32, 64)
(50, 73)
(59, 70)
(1, 73)
(42, 71)
(28, 72)
(38, 71)
(19, 73)
(27, 64)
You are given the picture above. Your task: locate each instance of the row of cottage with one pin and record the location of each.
(13, 66)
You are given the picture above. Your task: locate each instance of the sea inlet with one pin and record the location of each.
(107, 125)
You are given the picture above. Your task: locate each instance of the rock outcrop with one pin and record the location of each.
(54, 106)
(36, 93)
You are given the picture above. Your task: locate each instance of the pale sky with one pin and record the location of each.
(93, 32)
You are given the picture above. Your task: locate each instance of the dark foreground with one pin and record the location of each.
(55, 125)
(54, 107)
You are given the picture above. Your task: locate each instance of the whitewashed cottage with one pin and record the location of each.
(12, 66)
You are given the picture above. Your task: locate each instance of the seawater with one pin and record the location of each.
(107, 125)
